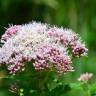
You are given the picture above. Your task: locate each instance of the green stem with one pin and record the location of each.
(86, 88)
(88, 92)
(44, 81)
(7, 77)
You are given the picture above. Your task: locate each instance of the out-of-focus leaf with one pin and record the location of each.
(51, 3)
(76, 86)
(92, 88)
(60, 90)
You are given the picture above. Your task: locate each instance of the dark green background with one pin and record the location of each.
(79, 15)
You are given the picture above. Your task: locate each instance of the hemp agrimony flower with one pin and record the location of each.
(85, 77)
(46, 46)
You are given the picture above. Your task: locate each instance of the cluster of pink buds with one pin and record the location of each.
(45, 46)
(68, 38)
(12, 30)
(48, 56)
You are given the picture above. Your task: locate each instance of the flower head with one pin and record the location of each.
(85, 77)
(45, 46)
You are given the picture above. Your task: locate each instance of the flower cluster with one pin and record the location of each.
(85, 77)
(12, 30)
(44, 45)
(47, 56)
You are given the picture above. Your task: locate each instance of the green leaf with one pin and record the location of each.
(76, 86)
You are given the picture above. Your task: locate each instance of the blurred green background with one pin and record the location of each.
(79, 15)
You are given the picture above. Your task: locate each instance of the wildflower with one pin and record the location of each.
(85, 77)
(10, 32)
(45, 46)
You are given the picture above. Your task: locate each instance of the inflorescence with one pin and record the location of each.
(85, 77)
(46, 46)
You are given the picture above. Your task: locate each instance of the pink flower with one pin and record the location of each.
(10, 32)
(48, 56)
(79, 49)
(85, 77)
(45, 46)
